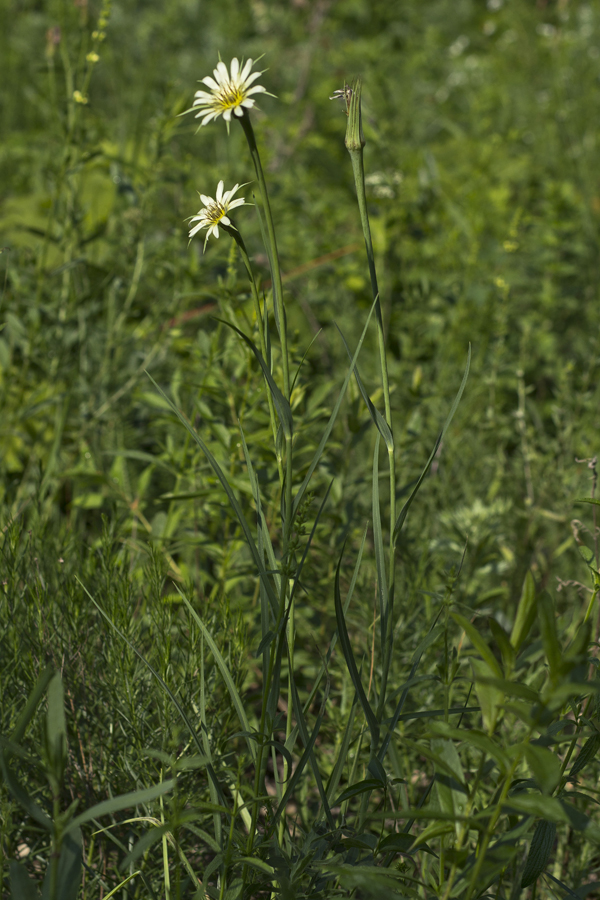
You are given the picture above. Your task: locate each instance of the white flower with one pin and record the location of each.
(215, 211)
(229, 92)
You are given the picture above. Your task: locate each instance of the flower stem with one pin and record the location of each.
(277, 283)
(355, 143)
(288, 479)
(263, 345)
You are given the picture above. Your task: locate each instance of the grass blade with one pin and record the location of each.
(350, 661)
(319, 451)
(218, 657)
(234, 503)
(404, 511)
(378, 420)
(281, 404)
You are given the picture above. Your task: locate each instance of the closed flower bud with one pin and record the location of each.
(355, 139)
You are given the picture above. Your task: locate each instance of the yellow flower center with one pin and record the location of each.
(215, 212)
(231, 96)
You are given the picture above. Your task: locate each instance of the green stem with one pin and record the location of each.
(263, 345)
(280, 311)
(491, 826)
(277, 283)
(356, 156)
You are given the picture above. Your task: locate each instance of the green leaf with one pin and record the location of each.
(545, 766)
(255, 863)
(307, 756)
(547, 621)
(225, 673)
(525, 613)
(361, 787)
(512, 688)
(342, 756)
(32, 704)
(490, 698)
(539, 852)
(479, 644)
(153, 835)
(121, 885)
(537, 805)
(349, 657)
(404, 511)
(477, 739)
(504, 644)
(69, 868)
(319, 451)
(380, 423)
(371, 881)
(22, 887)
(451, 791)
(282, 405)
(586, 755)
(233, 501)
(382, 585)
(23, 798)
(124, 801)
(399, 842)
(56, 727)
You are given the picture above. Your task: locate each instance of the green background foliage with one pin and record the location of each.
(481, 121)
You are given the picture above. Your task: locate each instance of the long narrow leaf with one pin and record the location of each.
(227, 488)
(378, 420)
(342, 757)
(225, 673)
(124, 801)
(319, 451)
(306, 740)
(281, 403)
(382, 586)
(404, 511)
(350, 661)
(32, 704)
(333, 641)
(309, 542)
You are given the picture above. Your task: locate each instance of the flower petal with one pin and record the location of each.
(197, 228)
(253, 77)
(246, 70)
(219, 195)
(234, 68)
(211, 83)
(221, 74)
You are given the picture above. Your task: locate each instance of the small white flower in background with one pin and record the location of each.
(215, 211)
(230, 91)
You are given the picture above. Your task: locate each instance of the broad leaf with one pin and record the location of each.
(539, 852)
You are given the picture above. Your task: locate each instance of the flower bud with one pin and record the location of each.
(355, 139)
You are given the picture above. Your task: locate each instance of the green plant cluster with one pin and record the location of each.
(292, 603)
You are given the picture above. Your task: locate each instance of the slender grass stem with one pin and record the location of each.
(289, 470)
(355, 143)
(491, 826)
(277, 283)
(263, 345)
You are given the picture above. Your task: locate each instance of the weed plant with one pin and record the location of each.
(233, 664)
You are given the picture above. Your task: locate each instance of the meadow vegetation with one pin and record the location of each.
(300, 571)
